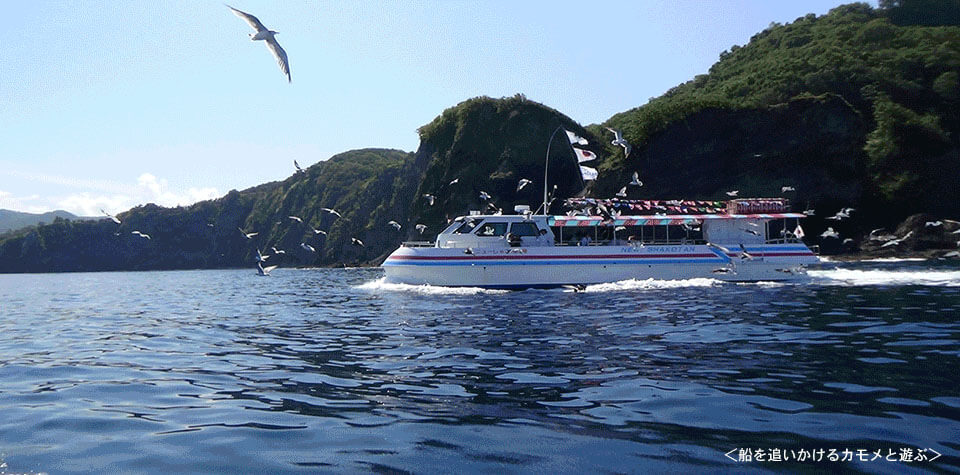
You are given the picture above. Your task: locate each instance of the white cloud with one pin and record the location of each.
(157, 189)
(87, 204)
(111, 196)
(21, 203)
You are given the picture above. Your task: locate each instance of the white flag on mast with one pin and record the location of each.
(584, 155)
(588, 173)
(575, 139)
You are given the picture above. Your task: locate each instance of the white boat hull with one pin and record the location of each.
(524, 267)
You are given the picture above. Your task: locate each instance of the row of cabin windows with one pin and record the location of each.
(492, 229)
(646, 234)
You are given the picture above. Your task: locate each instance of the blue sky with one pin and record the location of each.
(170, 102)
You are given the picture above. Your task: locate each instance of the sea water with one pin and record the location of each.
(333, 370)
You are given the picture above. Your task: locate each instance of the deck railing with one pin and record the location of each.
(418, 244)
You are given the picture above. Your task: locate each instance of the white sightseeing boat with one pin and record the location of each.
(739, 240)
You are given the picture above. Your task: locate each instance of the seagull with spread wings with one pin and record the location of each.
(618, 140)
(268, 37)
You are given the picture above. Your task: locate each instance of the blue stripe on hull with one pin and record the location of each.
(566, 262)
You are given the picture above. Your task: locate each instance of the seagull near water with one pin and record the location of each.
(268, 37)
(896, 242)
(264, 270)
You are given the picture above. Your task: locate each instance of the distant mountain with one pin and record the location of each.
(12, 220)
(857, 108)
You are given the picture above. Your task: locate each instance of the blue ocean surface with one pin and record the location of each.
(333, 370)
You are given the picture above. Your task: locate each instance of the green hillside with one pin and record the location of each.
(858, 107)
(13, 220)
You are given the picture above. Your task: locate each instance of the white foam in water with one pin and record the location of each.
(382, 284)
(876, 259)
(946, 278)
(652, 284)
(895, 259)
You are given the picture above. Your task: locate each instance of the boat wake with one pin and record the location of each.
(857, 277)
(382, 284)
(634, 284)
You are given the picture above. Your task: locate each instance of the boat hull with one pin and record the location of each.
(575, 265)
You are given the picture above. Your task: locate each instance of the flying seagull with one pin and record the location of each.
(522, 183)
(318, 231)
(733, 193)
(842, 214)
(138, 233)
(278, 251)
(635, 181)
(421, 228)
(297, 166)
(896, 242)
(112, 217)
(484, 195)
(356, 242)
(267, 36)
(261, 257)
(395, 224)
(307, 247)
(622, 193)
(618, 140)
(331, 211)
(455, 180)
(246, 234)
(830, 233)
(296, 218)
(430, 198)
(264, 270)
(784, 189)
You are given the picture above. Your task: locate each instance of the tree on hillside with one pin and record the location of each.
(922, 12)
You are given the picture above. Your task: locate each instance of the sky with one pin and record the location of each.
(169, 102)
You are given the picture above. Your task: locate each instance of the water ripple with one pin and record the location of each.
(334, 370)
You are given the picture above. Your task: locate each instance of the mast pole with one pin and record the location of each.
(546, 162)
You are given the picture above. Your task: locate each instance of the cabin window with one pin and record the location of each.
(467, 226)
(524, 229)
(492, 229)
